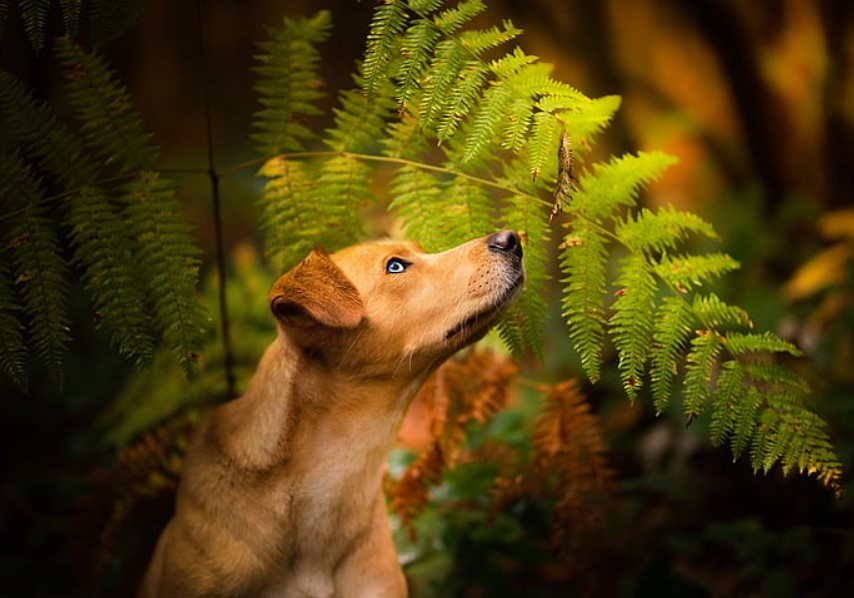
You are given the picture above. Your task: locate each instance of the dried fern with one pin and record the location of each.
(473, 389)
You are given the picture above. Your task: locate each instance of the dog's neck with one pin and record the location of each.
(290, 416)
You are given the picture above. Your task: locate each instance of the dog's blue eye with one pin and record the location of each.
(396, 265)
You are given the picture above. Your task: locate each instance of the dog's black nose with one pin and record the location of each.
(505, 241)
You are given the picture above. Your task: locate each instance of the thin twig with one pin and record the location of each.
(228, 358)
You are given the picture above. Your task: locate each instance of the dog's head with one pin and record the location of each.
(389, 308)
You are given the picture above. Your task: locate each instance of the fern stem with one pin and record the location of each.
(389, 160)
(225, 327)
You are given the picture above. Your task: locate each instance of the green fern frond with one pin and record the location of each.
(662, 230)
(289, 84)
(766, 342)
(70, 16)
(387, 24)
(34, 14)
(289, 212)
(463, 97)
(443, 76)
(110, 18)
(487, 123)
(35, 127)
(418, 45)
(415, 195)
(717, 314)
(405, 139)
(521, 327)
(39, 267)
(13, 351)
(106, 255)
(744, 420)
(614, 185)
(685, 272)
(585, 117)
(452, 19)
(113, 128)
(343, 189)
(545, 137)
(775, 375)
(4, 15)
(478, 42)
(729, 392)
(468, 209)
(671, 330)
(359, 121)
(631, 325)
(583, 262)
(167, 262)
(699, 372)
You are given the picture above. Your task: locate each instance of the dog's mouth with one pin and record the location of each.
(481, 320)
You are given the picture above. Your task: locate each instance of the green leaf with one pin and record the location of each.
(766, 342)
(684, 273)
(615, 185)
(699, 371)
(104, 250)
(113, 128)
(583, 264)
(13, 352)
(387, 24)
(662, 230)
(167, 262)
(40, 270)
(289, 84)
(289, 211)
(631, 325)
(34, 14)
(672, 328)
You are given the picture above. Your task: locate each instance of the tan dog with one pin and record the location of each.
(281, 492)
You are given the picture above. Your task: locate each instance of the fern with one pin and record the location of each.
(288, 210)
(113, 129)
(631, 325)
(110, 18)
(118, 292)
(584, 264)
(13, 352)
(167, 262)
(40, 271)
(671, 331)
(289, 84)
(34, 15)
(131, 244)
(34, 126)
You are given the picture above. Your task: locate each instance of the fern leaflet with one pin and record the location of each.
(288, 86)
(631, 324)
(167, 262)
(13, 352)
(40, 269)
(113, 128)
(584, 265)
(672, 328)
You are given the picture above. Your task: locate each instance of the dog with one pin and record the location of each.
(281, 490)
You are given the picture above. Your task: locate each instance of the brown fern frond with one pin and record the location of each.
(141, 474)
(569, 435)
(569, 464)
(411, 494)
(473, 389)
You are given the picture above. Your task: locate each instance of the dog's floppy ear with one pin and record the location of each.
(316, 292)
